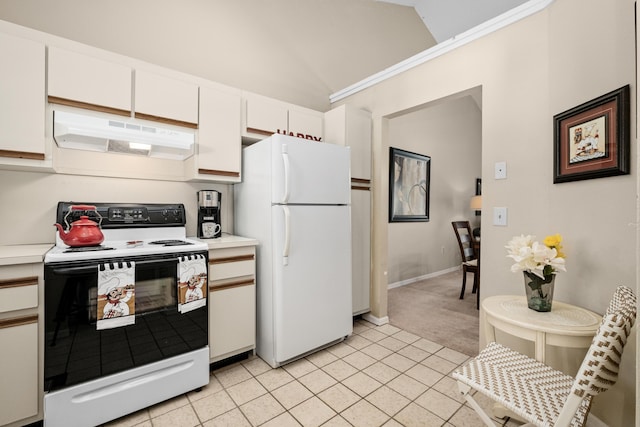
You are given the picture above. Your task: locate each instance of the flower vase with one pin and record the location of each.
(539, 291)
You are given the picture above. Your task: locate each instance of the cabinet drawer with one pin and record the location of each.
(235, 266)
(18, 294)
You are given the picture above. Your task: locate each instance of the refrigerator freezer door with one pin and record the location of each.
(306, 172)
(312, 285)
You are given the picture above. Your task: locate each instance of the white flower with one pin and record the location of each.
(534, 257)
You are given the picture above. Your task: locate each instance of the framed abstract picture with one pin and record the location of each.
(409, 175)
(592, 140)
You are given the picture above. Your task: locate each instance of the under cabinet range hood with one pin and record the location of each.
(107, 133)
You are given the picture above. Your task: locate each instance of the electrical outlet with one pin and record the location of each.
(501, 170)
(442, 250)
(500, 216)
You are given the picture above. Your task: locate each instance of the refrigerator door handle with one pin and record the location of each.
(285, 159)
(287, 235)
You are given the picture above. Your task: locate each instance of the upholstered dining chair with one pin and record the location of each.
(468, 254)
(543, 396)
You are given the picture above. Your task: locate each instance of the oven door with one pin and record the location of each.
(76, 351)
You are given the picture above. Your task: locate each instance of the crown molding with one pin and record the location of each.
(488, 27)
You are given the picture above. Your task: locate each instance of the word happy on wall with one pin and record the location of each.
(301, 135)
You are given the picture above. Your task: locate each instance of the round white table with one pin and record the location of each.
(564, 326)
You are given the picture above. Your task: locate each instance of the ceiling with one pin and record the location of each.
(446, 19)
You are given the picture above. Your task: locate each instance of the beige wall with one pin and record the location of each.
(450, 133)
(571, 52)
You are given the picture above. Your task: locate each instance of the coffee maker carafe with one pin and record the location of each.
(209, 223)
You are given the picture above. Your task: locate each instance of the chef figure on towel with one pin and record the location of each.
(116, 305)
(194, 289)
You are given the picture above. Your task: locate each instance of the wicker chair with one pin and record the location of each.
(541, 395)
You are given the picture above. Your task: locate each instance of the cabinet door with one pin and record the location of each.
(22, 98)
(265, 116)
(219, 141)
(361, 249)
(305, 123)
(84, 81)
(346, 125)
(18, 368)
(232, 319)
(358, 137)
(165, 99)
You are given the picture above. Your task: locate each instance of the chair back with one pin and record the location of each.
(465, 239)
(600, 367)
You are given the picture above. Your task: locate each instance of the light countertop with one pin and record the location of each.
(228, 241)
(23, 254)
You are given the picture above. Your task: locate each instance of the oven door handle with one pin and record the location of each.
(88, 268)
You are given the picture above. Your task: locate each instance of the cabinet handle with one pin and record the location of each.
(230, 285)
(20, 281)
(361, 181)
(260, 131)
(88, 106)
(357, 187)
(21, 155)
(232, 259)
(18, 321)
(218, 172)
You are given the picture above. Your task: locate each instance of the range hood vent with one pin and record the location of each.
(103, 133)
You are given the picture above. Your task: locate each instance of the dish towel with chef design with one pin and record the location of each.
(192, 283)
(116, 295)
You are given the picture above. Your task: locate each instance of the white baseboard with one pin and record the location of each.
(378, 321)
(419, 278)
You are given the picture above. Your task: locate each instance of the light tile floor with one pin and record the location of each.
(379, 376)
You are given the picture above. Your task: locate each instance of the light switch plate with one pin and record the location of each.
(500, 216)
(501, 170)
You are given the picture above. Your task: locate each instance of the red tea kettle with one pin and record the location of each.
(83, 232)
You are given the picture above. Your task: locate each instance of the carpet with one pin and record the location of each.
(431, 308)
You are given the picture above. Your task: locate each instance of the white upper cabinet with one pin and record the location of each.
(305, 123)
(22, 98)
(219, 146)
(265, 116)
(349, 126)
(165, 99)
(88, 82)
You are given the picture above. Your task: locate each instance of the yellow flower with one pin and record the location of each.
(555, 242)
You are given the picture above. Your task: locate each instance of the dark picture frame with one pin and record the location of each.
(409, 176)
(592, 140)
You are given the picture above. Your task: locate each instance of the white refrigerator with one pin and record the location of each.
(295, 200)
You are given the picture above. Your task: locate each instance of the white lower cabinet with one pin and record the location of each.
(20, 368)
(232, 302)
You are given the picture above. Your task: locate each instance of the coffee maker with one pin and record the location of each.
(209, 223)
